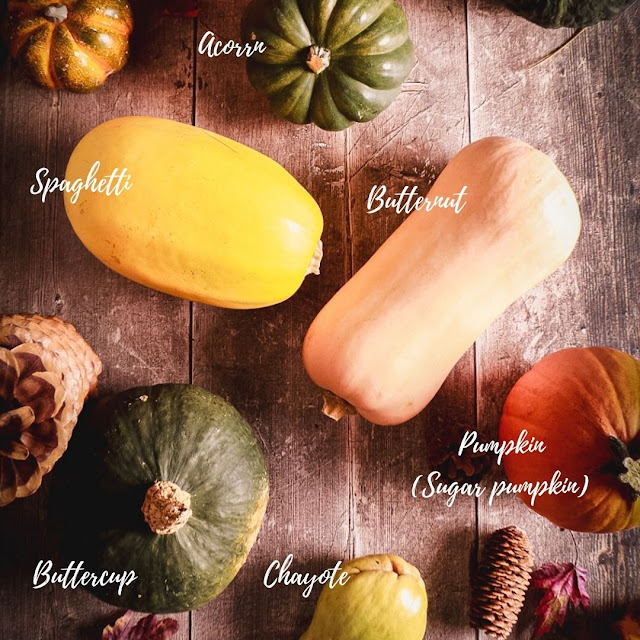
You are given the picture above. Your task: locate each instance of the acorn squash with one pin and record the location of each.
(327, 62)
(169, 482)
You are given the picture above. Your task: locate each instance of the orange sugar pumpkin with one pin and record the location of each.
(584, 403)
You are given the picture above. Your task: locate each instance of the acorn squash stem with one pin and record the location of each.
(56, 13)
(336, 407)
(318, 59)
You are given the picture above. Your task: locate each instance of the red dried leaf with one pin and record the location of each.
(172, 8)
(563, 584)
(147, 628)
(181, 8)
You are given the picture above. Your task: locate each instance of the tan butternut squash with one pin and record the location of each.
(385, 343)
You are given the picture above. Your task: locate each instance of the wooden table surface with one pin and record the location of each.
(339, 489)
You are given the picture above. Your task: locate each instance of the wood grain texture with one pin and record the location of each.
(339, 490)
(407, 145)
(142, 336)
(253, 359)
(579, 108)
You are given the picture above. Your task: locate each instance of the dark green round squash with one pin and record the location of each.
(568, 13)
(196, 445)
(330, 62)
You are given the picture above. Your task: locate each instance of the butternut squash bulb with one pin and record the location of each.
(203, 217)
(384, 344)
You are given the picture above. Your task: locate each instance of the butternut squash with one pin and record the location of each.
(203, 217)
(385, 343)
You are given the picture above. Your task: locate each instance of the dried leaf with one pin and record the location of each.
(629, 627)
(147, 628)
(563, 584)
(181, 8)
(172, 8)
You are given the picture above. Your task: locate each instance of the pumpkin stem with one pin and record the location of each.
(166, 507)
(336, 407)
(631, 476)
(314, 267)
(318, 59)
(56, 13)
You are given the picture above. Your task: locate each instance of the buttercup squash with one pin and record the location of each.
(205, 218)
(169, 482)
(584, 404)
(73, 45)
(384, 344)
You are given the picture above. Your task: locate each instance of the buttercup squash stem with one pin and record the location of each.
(166, 507)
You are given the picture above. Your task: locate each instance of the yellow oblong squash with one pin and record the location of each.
(385, 343)
(206, 218)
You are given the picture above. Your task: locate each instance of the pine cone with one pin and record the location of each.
(469, 467)
(501, 582)
(46, 372)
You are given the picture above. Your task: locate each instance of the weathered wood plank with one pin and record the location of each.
(581, 108)
(408, 145)
(142, 336)
(253, 359)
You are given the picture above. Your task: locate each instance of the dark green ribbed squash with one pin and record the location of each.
(568, 13)
(188, 437)
(330, 62)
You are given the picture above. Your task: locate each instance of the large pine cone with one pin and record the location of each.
(46, 372)
(501, 582)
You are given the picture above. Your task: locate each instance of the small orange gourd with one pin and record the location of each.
(384, 344)
(71, 44)
(584, 404)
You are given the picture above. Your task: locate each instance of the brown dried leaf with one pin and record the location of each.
(629, 627)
